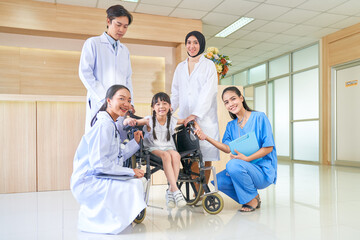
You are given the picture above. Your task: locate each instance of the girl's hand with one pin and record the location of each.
(138, 135)
(201, 135)
(130, 121)
(239, 156)
(147, 120)
(139, 173)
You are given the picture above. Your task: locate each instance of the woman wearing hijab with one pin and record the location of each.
(194, 91)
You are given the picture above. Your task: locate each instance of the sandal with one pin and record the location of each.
(259, 202)
(251, 208)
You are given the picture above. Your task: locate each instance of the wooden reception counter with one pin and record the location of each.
(38, 137)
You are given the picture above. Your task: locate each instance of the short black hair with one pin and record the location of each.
(118, 11)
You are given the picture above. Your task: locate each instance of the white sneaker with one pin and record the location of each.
(170, 201)
(179, 199)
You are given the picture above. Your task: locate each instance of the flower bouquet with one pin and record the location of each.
(222, 62)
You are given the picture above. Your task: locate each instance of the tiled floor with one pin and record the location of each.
(308, 202)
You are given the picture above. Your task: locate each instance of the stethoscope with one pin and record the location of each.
(116, 130)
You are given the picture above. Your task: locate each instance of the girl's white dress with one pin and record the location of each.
(161, 143)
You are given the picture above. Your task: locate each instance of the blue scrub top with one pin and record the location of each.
(258, 123)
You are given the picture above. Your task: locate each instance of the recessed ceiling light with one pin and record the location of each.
(234, 27)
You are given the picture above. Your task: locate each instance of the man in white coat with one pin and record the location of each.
(194, 91)
(105, 61)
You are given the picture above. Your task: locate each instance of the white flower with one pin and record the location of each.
(214, 50)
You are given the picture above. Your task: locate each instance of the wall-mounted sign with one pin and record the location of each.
(351, 83)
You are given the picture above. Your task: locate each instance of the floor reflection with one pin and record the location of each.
(308, 202)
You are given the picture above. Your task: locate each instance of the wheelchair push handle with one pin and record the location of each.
(191, 126)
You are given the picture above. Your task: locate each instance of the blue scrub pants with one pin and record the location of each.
(241, 180)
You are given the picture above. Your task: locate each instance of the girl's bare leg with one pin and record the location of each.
(168, 168)
(175, 161)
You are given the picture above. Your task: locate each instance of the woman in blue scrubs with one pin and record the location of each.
(244, 175)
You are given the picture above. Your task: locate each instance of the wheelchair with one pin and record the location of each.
(192, 184)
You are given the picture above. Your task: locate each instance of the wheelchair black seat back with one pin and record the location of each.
(185, 140)
(192, 184)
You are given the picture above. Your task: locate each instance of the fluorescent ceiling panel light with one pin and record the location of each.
(234, 27)
(130, 0)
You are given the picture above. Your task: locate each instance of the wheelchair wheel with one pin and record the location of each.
(213, 203)
(140, 217)
(191, 195)
(189, 182)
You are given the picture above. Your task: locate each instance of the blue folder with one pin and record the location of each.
(246, 144)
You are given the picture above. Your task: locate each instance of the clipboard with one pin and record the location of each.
(115, 177)
(246, 144)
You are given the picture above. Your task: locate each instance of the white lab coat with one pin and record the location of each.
(100, 68)
(106, 205)
(196, 94)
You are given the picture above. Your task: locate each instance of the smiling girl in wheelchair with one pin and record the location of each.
(158, 140)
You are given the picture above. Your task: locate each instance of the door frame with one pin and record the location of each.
(334, 70)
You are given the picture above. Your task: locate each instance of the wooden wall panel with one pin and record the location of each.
(143, 109)
(9, 70)
(55, 72)
(337, 48)
(60, 126)
(148, 77)
(89, 21)
(25, 14)
(181, 53)
(344, 50)
(50, 72)
(18, 147)
(49, 19)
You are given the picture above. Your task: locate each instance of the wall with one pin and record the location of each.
(75, 22)
(337, 48)
(35, 64)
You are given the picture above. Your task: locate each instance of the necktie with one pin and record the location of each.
(115, 46)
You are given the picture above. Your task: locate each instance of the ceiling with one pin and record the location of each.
(279, 26)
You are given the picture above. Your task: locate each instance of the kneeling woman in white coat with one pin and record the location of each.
(107, 205)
